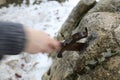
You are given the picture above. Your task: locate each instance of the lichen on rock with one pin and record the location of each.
(101, 59)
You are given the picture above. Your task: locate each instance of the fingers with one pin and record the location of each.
(51, 44)
(55, 44)
(48, 50)
(39, 41)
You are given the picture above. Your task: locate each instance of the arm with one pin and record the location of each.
(14, 38)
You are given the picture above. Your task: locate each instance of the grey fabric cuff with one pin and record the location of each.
(12, 38)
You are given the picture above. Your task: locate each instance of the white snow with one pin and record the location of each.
(97, 0)
(48, 16)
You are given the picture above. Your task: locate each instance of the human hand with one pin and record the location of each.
(39, 41)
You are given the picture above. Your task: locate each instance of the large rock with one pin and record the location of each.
(2, 2)
(5, 3)
(27, 2)
(74, 18)
(101, 59)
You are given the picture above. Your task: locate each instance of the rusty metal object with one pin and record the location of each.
(72, 44)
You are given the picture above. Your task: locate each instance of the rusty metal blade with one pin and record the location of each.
(72, 47)
(76, 47)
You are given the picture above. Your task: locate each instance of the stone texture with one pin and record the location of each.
(101, 59)
(2, 2)
(15, 2)
(74, 18)
(59, 0)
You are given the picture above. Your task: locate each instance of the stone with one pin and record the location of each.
(101, 59)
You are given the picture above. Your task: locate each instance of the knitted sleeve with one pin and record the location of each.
(12, 38)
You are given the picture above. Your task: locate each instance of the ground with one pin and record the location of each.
(48, 16)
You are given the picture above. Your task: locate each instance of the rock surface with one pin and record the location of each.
(101, 59)
(19, 2)
(2, 2)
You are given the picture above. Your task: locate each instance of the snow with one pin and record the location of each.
(48, 16)
(97, 0)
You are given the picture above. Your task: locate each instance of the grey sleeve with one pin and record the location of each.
(12, 38)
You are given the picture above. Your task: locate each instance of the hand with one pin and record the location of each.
(38, 41)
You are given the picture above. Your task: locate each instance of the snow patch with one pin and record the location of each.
(48, 16)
